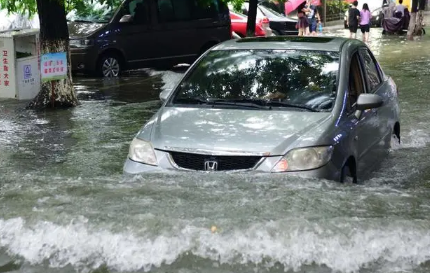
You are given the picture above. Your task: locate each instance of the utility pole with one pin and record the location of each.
(325, 12)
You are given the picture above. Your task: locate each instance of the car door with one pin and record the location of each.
(377, 85)
(365, 130)
(175, 31)
(134, 35)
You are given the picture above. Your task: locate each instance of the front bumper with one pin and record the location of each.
(165, 163)
(83, 60)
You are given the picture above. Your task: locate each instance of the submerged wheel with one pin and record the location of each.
(346, 175)
(109, 65)
(395, 141)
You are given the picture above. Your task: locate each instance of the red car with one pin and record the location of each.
(239, 21)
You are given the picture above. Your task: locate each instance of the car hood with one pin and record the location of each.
(232, 130)
(80, 29)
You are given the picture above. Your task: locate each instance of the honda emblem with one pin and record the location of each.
(211, 165)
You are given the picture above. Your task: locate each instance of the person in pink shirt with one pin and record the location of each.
(365, 16)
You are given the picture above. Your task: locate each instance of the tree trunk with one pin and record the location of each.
(252, 17)
(54, 37)
(416, 22)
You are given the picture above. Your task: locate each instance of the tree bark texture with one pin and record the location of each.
(252, 17)
(416, 22)
(54, 37)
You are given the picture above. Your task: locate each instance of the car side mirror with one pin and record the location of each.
(126, 18)
(165, 94)
(366, 102)
(369, 101)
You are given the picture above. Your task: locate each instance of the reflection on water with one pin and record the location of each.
(65, 207)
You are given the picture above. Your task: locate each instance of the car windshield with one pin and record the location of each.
(93, 13)
(268, 79)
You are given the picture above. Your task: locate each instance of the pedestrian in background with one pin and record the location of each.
(365, 16)
(302, 22)
(353, 19)
(313, 17)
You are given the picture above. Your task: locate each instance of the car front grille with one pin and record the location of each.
(201, 162)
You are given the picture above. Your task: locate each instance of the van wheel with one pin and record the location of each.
(109, 65)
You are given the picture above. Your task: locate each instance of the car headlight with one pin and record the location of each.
(302, 159)
(375, 13)
(80, 43)
(141, 151)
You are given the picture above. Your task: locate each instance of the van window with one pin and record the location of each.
(185, 10)
(177, 10)
(139, 9)
(206, 10)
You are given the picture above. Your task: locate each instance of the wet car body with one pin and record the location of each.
(279, 23)
(138, 34)
(239, 22)
(351, 135)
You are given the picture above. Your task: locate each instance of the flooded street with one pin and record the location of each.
(65, 206)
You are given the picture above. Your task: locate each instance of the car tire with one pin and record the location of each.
(346, 176)
(110, 65)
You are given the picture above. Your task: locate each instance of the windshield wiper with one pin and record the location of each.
(285, 104)
(273, 103)
(213, 102)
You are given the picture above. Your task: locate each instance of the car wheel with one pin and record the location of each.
(109, 65)
(395, 142)
(346, 175)
(381, 19)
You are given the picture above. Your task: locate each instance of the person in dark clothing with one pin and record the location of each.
(302, 23)
(353, 19)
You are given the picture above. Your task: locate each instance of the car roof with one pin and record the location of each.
(333, 44)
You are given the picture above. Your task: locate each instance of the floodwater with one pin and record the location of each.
(65, 206)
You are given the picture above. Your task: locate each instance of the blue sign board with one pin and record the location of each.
(53, 66)
(27, 72)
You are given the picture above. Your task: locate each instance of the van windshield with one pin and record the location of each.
(94, 13)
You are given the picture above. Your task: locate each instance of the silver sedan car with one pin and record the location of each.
(313, 106)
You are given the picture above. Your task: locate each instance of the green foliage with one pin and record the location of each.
(336, 7)
(19, 6)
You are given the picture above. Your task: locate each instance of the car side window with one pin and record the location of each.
(174, 10)
(140, 11)
(372, 70)
(355, 82)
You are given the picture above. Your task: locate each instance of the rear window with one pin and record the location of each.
(298, 77)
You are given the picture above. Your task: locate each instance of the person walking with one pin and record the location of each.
(302, 23)
(353, 18)
(365, 16)
(313, 17)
